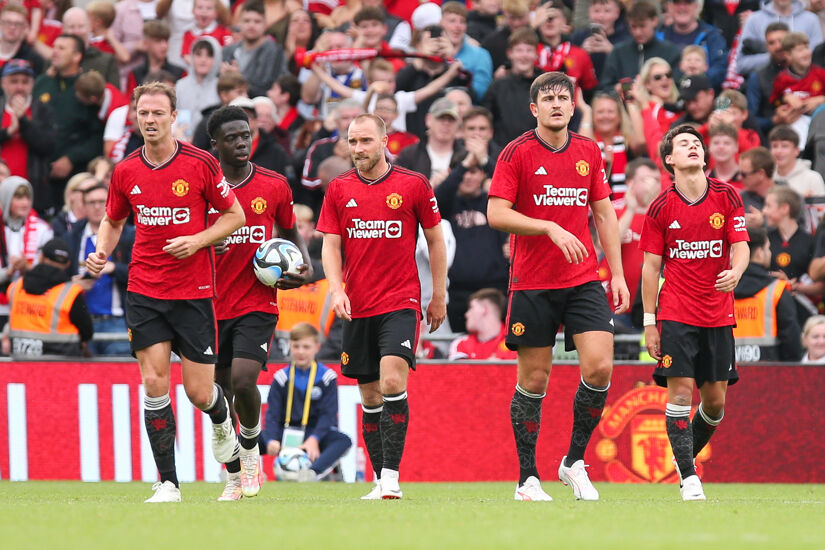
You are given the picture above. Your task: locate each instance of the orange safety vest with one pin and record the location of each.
(36, 320)
(756, 316)
(310, 303)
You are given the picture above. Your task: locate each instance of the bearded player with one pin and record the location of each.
(247, 310)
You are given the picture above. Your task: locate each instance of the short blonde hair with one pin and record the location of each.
(303, 213)
(303, 330)
(812, 321)
(644, 75)
(74, 184)
(698, 50)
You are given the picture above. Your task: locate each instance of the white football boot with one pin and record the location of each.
(692, 488)
(232, 491)
(375, 492)
(224, 440)
(250, 471)
(531, 490)
(390, 489)
(576, 477)
(164, 492)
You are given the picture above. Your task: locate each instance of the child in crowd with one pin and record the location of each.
(790, 169)
(206, 24)
(101, 16)
(723, 147)
(732, 108)
(800, 87)
(694, 60)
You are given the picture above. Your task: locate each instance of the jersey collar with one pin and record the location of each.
(379, 179)
(244, 181)
(164, 164)
(549, 147)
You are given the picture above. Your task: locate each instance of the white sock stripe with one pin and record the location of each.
(707, 418)
(595, 388)
(214, 400)
(156, 403)
(251, 433)
(526, 393)
(677, 410)
(398, 397)
(368, 410)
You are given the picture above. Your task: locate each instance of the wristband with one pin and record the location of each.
(648, 319)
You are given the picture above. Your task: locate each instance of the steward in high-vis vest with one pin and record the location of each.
(766, 324)
(309, 303)
(48, 313)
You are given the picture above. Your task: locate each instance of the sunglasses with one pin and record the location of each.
(660, 76)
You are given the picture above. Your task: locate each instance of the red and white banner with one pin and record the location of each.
(84, 421)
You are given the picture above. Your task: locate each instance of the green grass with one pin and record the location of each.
(464, 516)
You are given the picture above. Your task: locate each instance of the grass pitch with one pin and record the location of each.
(464, 516)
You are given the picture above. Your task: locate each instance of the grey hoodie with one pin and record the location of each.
(7, 188)
(800, 20)
(194, 96)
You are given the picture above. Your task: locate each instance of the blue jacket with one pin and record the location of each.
(323, 408)
(714, 44)
(477, 60)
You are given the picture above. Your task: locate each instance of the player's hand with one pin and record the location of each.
(436, 312)
(572, 248)
(221, 247)
(340, 305)
(183, 246)
(727, 280)
(621, 296)
(653, 342)
(273, 448)
(95, 262)
(292, 279)
(312, 449)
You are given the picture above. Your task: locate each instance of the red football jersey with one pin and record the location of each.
(169, 200)
(378, 224)
(810, 84)
(694, 241)
(556, 185)
(569, 59)
(632, 256)
(470, 347)
(266, 199)
(220, 33)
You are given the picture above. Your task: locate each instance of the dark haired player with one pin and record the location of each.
(247, 310)
(696, 229)
(542, 186)
(370, 217)
(168, 186)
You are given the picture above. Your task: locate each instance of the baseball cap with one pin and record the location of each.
(56, 250)
(17, 66)
(690, 86)
(425, 15)
(444, 107)
(243, 102)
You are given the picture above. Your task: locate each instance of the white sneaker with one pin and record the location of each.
(531, 490)
(232, 490)
(390, 489)
(692, 488)
(679, 472)
(375, 492)
(224, 439)
(250, 470)
(164, 492)
(576, 477)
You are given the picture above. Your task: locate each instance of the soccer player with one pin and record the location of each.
(371, 213)
(696, 229)
(168, 185)
(542, 186)
(246, 310)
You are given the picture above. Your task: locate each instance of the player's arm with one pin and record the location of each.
(650, 291)
(186, 245)
(501, 216)
(107, 238)
(608, 227)
(727, 280)
(437, 308)
(333, 269)
(304, 274)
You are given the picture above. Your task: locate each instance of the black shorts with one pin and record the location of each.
(706, 354)
(188, 324)
(534, 316)
(366, 340)
(247, 337)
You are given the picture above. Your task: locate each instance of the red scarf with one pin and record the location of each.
(30, 238)
(552, 59)
(288, 119)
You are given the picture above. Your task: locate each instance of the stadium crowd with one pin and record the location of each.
(451, 82)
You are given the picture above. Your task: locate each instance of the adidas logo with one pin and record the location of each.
(135, 190)
(351, 204)
(406, 344)
(674, 225)
(208, 351)
(263, 347)
(611, 323)
(541, 171)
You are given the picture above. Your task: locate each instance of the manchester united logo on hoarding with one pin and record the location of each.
(717, 220)
(582, 168)
(394, 201)
(258, 205)
(180, 187)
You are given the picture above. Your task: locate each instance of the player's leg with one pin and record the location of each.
(248, 406)
(372, 405)
(333, 446)
(718, 357)
(232, 490)
(709, 414)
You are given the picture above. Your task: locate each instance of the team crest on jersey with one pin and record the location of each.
(344, 358)
(394, 201)
(180, 188)
(717, 220)
(783, 259)
(583, 168)
(667, 361)
(568, 63)
(45, 97)
(258, 205)
(517, 329)
(816, 86)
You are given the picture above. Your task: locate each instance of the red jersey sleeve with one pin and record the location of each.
(735, 223)
(117, 203)
(285, 213)
(587, 79)
(779, 86)
(186, 43)
(328, 221)
(599, 186)
(426, 207)
(653, 236)
(217, 191)
(505, 177)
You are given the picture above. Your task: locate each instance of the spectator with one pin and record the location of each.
(727, 17)
(301, 31)
(731, 107)
(757, 168)
(179, 16)
(723, 147)
(79, 130)
(156, 44)
(48, 312)
(760, 82)
(347, 73)
(34, 17)
(486, 331)
(130, 140)
(256, 56)
(386, 107)
(751, 54)
(441, 149)
(766, 327)
(459, 95)
(14, 25)
(813, 340)
(101, 15)
(128, 30)
(652, 104)
(198, 90)
(230, 86)
(628, 56)
(27, 132)
(265, 113)
(508, 97)
(686, 29)
(76, 22)
(474, 58)
(694, 61)
(285, 94)
(607, 28)
(698, 96)
(73, 209)
(305, 222)
(206, 24)
(398, 32)
(313, 420)
(790, 169)
(516, 16)
(369, 27)
(112, 105)
(482, 19)
(266, 151)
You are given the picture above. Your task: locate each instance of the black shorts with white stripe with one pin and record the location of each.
(367, 339)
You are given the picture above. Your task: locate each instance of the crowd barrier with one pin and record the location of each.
(83, 421)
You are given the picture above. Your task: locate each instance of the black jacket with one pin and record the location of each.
(200, 138)
(40, 279)
(627, 58)
(416, 158)
(270, 154)
(508, 99)
(410, 79)
(27, 52)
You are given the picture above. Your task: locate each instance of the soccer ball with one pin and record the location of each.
(290, 462)
(273, 258)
